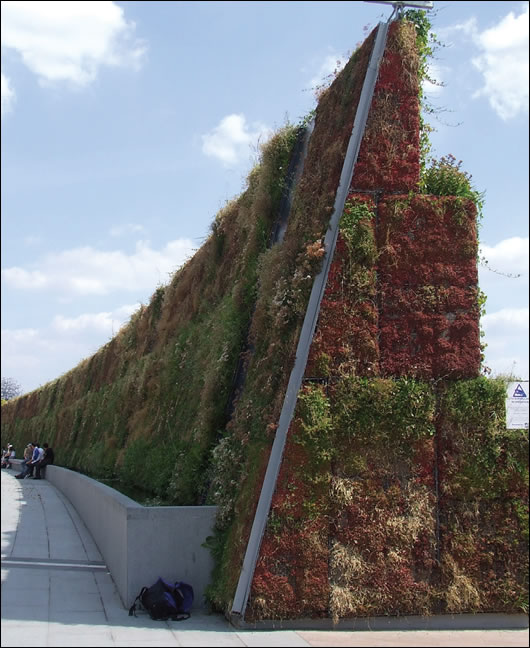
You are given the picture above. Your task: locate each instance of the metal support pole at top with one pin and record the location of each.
(399, 7)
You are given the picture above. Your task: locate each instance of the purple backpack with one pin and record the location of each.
(165, 600)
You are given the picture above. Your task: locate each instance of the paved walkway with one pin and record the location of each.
(56, 591)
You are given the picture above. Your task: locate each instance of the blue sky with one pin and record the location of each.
(126, 126)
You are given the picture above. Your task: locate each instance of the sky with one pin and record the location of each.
(126, 126)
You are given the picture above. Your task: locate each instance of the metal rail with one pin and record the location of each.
(306, 335)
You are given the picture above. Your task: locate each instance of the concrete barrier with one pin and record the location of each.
(15, 465)
(140, 543)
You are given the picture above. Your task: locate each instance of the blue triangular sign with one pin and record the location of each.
(519, 392)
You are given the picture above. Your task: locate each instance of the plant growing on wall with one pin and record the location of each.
(445, 177)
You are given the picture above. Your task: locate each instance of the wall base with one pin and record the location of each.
(493, 621)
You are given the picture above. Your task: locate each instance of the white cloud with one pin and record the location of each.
(231, 140)
(437, 73)
(8, 95)
(509, 256)
(20, 278)
(69, 41)
(20, 335)
(504, 65)
(502, 61)
(506, 336)
(330, 66)
(468, 28)
(21, 356)
(86, 271)
(49, 352)
(105, 322)
(514, 319)
(28, 349)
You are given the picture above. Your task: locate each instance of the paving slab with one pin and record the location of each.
(418, 638)
(56, 591)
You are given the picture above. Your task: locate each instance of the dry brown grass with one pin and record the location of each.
(346, 564)
(417, 518)
(343, 491)
(403, 44)
(460, 595)
(347, 601)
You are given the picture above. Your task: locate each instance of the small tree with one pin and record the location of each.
(10, 389)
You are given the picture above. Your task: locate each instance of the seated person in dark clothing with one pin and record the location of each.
(47, 458)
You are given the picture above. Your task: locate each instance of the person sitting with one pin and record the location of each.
(28, 452)
(8, 455)
(11, 456)
(28, 469)
(47, 458)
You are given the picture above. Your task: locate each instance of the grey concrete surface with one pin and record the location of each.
(57, 591)
(140, 543)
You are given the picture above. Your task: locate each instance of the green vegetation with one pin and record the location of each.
(315, 423)
(485, 457)
(445, 177)
(147, 410)
(354, 525)
(404, 412)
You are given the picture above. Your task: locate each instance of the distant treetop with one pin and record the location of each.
(10, 388)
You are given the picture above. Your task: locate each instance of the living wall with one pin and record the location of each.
(145, 411)
(400, 491)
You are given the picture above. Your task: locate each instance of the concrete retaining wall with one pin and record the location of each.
(140, 543)
(15, 465)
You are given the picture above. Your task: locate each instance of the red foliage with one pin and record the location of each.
(427, 324)
(347, 326)
(389, 157)
(397, 568)
(427, 271)
(291, 576)
(419, 318)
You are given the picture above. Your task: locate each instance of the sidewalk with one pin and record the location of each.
(56, 591)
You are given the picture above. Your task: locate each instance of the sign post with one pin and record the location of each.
(517, 405)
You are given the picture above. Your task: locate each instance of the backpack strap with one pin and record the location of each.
(179, 597)
(177, 594)
(132, 609)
